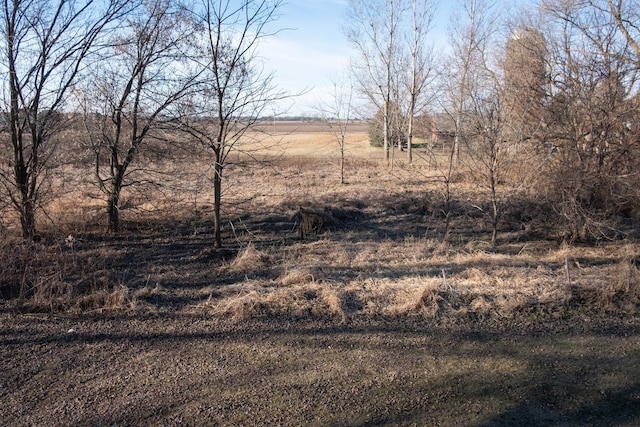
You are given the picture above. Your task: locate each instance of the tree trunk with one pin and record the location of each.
(447, 211)
(28, 219)
(494, 227)
(494, 211)
(410, 139)
(386, 133)
(217, 199)
(447, 198)
(113, 211)
(456, 140)
(342, 160)
(25, 171)
(113, 201)
(26, 204)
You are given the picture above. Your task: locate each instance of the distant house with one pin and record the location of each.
(438, 128)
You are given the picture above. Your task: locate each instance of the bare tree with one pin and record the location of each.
(483, 120)
(466, 105)
(470, 34)
(373, 31)
(133, 93)
(337, 113)
(235, 89)
(45, 45)
(488, 150)
(422, 64)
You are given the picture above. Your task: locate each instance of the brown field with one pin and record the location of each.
(370, 320)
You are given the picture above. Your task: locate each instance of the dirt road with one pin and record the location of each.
(194, 370)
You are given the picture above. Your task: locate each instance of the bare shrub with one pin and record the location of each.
(310, 222)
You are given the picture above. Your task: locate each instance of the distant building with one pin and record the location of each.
(525, 79)
(438, 128)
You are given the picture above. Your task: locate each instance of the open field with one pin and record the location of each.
(371, 320)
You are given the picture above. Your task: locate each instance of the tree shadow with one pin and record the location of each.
(615, 407)
(421, 374)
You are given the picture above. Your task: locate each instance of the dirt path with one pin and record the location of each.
(193, 370)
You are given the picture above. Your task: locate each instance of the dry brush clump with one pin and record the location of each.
(618, 294)
(588, 196)
(295, 302)
(249, 259)
(308, 222)
(56, 278)
(323, 216)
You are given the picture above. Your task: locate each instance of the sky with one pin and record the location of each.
(312, 51)
(309, 52)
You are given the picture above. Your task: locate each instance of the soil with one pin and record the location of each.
(197, 370)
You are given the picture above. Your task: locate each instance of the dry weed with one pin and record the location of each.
(55, 278)
(301, 275)
(482, 306)
(618, 295)
(294, 302)
(390, 298)
(301, 293)
(149, 292)
(250, 259)
(54, 294)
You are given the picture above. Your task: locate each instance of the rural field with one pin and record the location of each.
(380, 315)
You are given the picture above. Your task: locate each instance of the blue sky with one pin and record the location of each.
(310, 51)
(313, 50)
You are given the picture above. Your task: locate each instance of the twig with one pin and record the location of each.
(234, 233)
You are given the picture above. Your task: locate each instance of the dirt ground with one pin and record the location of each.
(194, 370)
(371, 320)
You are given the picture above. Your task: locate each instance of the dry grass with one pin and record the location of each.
(53, 278)
(379, 256)
(250, 258)
(480, 286)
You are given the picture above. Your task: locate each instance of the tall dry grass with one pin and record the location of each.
(52, 277)
(459, 286)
